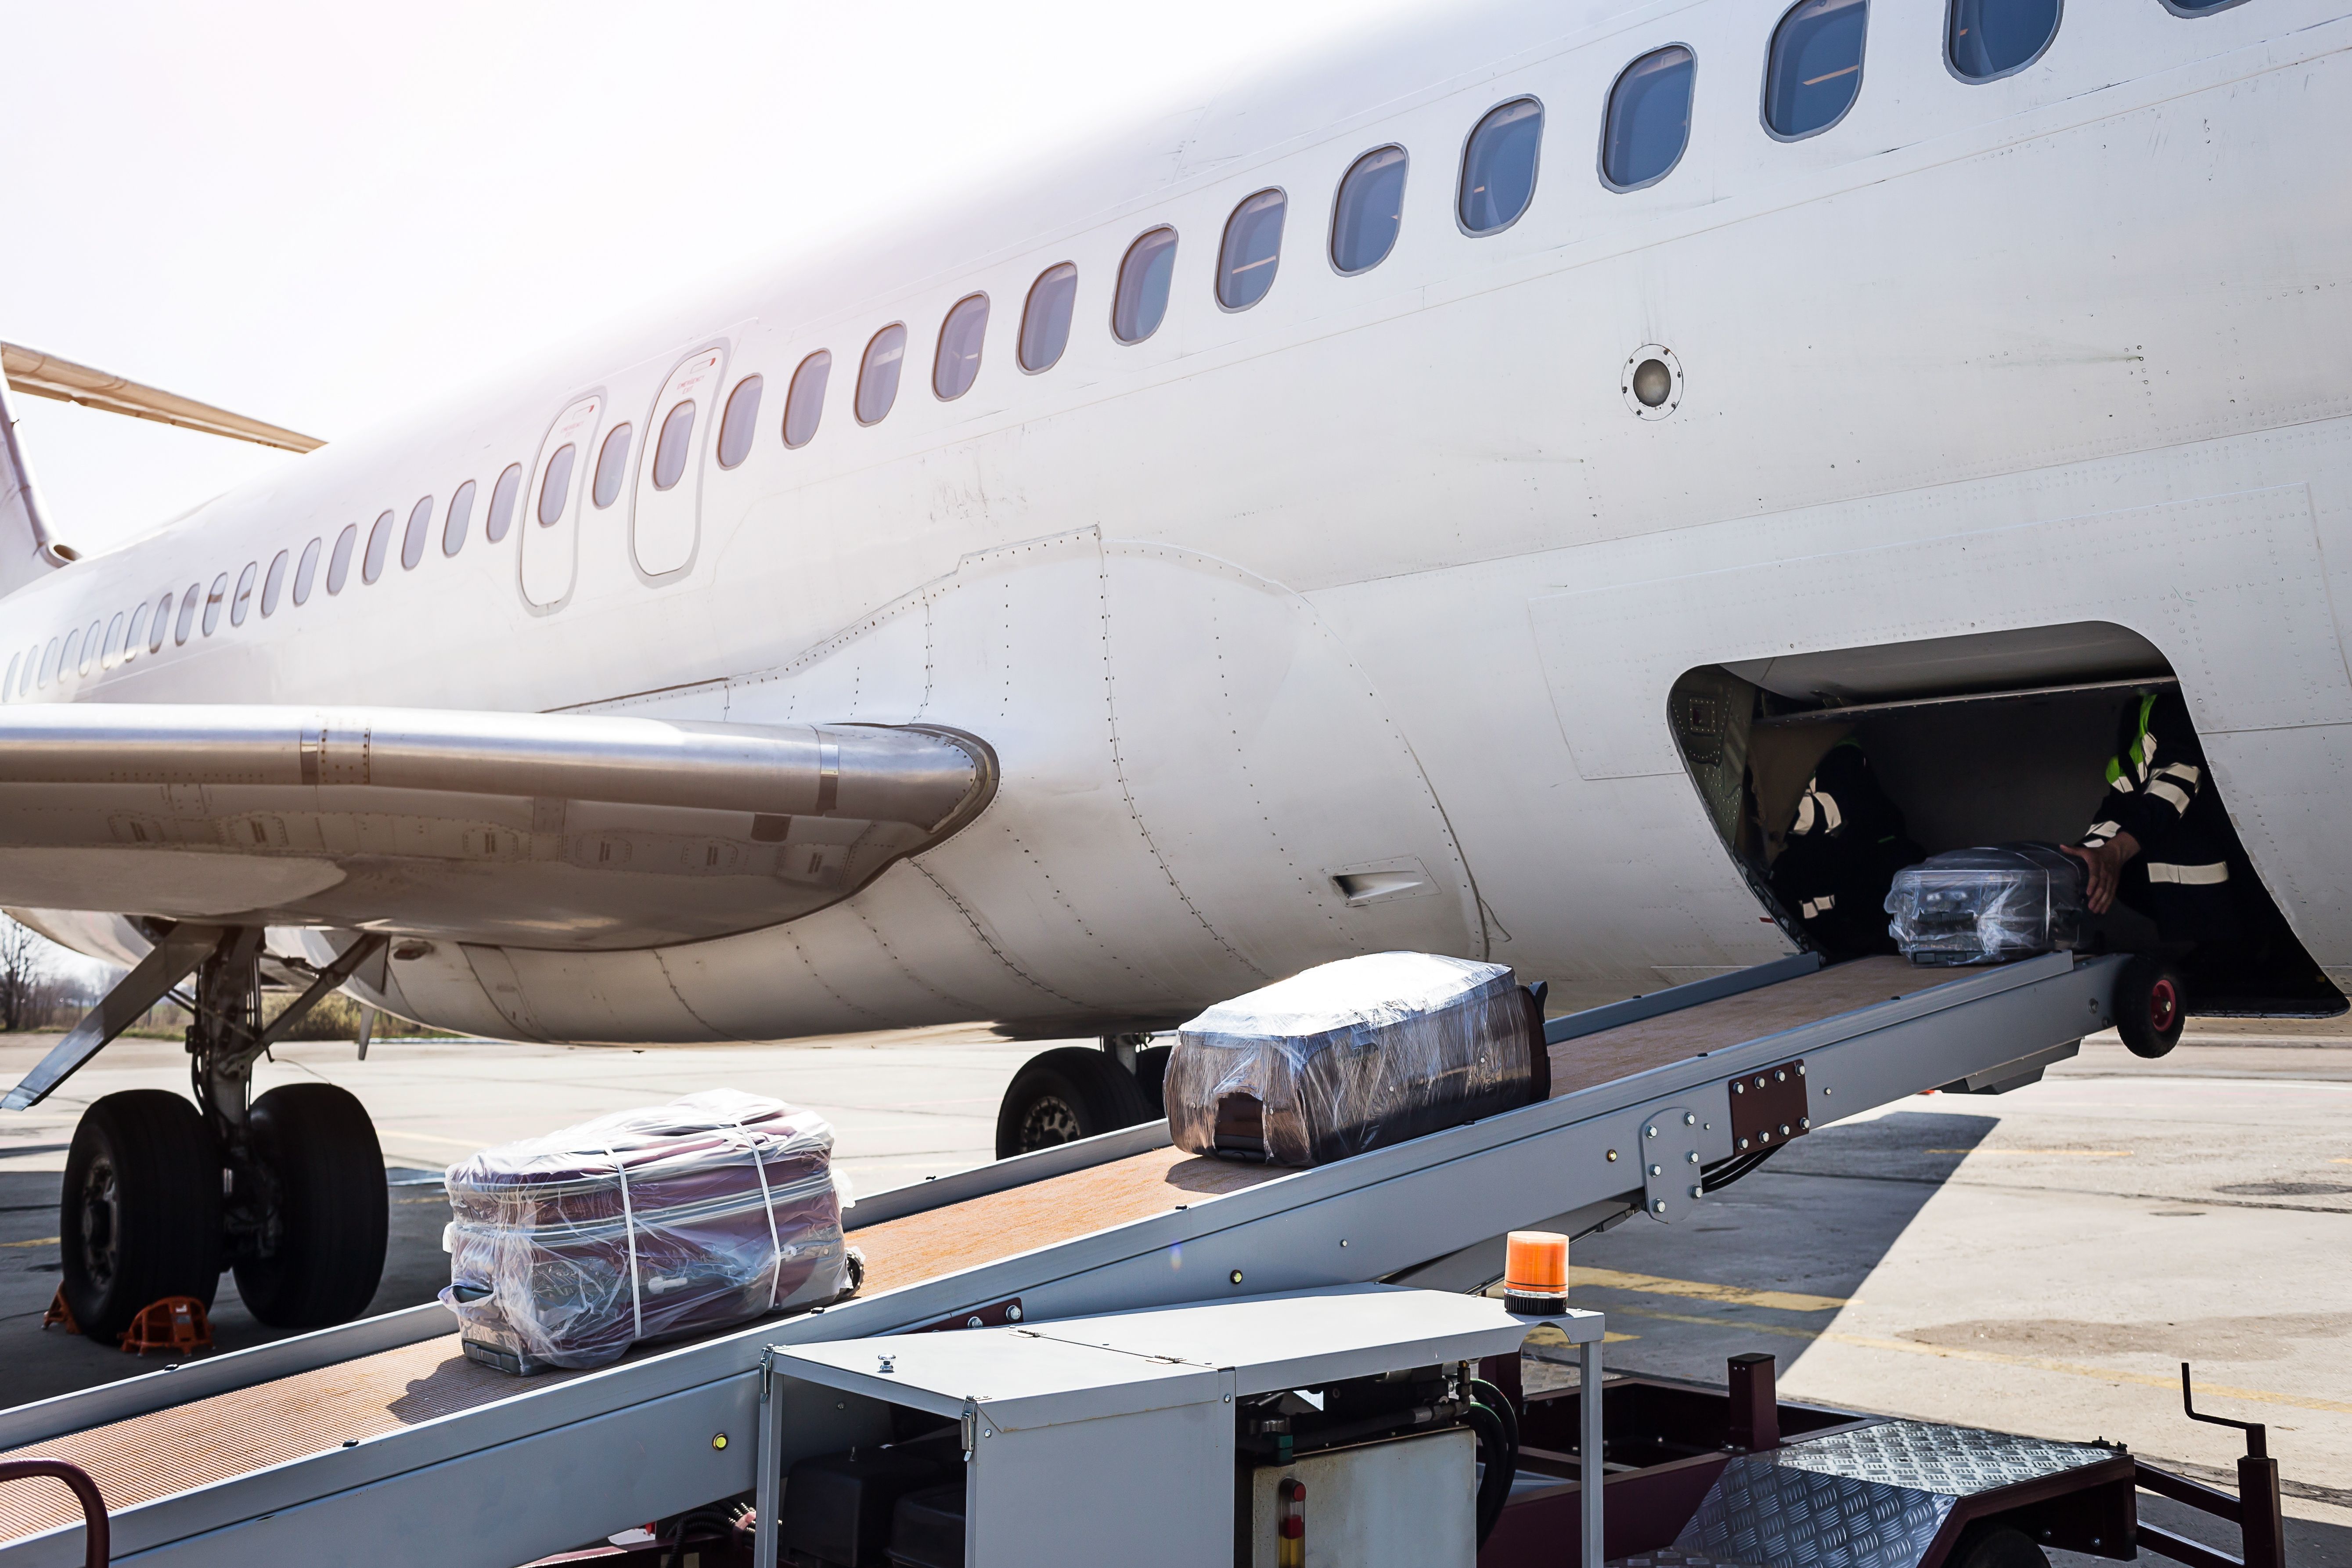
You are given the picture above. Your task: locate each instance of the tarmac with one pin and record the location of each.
(2040, 1261)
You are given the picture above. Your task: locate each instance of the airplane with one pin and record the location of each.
(1442, 492)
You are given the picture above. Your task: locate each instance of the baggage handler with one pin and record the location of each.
(2161, 843)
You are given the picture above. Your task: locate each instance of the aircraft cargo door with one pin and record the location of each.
(669, 468)
(551, 530)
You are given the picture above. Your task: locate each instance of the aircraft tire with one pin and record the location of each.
(1064, 1095)
(1151, 1074)
(334, 1208)
(2151, 1007)
(139, 1218)
(1992, 1544)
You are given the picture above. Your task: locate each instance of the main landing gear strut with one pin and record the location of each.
(161, 1196)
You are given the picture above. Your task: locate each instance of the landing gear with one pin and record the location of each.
(140, 1216)
(2150, 1005)
(1074, 1092)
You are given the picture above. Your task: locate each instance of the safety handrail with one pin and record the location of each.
(97, 1548)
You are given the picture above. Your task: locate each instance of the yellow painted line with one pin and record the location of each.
(1995, 1358)
(36, 1241)
(2069, 1153)
(1736, 1295)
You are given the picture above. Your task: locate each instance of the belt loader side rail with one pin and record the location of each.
(547, 1467)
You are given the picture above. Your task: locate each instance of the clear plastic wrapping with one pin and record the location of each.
(713, 1209)
(1988, 905)
(1349, 1055)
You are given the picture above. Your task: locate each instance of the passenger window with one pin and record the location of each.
(555, 486)
(108, 657)
(611, 464)
(162, 623)
(91, 643)
(216, 598)
(32, 663)
(676, 444)
(138, 632)
(1252, 251)
(957, 363)
(1649, 118)
(275, 583)
(412, 543)
(1370, 210)
(877, 373)
(187, 621)
(9, 685)
(1045, 318)
(379, 545)
(804, 403)
(242, 605)
(50, 662)
(307, 572)
(461, 512)
(1991, 38)
(339, 568)
(72, 654)
(1498, 166)
(1815, 67)
(740, 423)
(1144, 275)
(503, 504)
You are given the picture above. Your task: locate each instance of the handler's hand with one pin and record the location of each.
(2101, 867)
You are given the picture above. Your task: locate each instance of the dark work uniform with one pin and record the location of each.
(1841, 856)
(2160, 792)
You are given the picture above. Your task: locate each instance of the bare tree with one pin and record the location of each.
(22, 973)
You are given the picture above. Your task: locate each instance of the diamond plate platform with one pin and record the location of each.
(1870, 1498)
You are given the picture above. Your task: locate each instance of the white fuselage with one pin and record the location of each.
(1383, 579)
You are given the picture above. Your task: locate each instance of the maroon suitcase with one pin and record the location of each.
(644, 1225)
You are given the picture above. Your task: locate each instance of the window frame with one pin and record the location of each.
(1609, 103)
(273, 581)
(1462, 166)
(1118, 279)
(498, 524)
(1331, 236)
(240, 603)
(416, 534)
(459, 516)
(2048, 44)
(1764, 83)
(865, 364)
(627, 434)
(784, 427)
(1225, 239)
(375, 557)
(940, 344)
(756, 383)
(1029, 304)
(2196, 15)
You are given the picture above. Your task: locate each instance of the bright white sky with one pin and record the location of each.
(315, 216)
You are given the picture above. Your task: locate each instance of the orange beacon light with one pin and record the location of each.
(1535, 1273)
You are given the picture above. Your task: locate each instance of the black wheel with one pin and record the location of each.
(1151, 1073)
(1989, 1544)
(334, 1209)
(1063, 1095)
(2151, 1005)
(139, 1218)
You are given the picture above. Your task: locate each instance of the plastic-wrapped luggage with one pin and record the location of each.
(1349, 1055)
(1988, 905)
(713, 1209)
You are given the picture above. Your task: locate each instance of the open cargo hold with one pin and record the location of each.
(1980, 740)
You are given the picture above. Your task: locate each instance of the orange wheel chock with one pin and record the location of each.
(177, 1324)
(59, 1312)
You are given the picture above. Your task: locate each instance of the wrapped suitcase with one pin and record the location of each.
(1988, 905)
(713, 1209)
(1349, 1055)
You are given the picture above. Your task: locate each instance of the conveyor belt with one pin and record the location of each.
(1122, 1220)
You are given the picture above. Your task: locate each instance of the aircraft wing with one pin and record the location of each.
(530, 829)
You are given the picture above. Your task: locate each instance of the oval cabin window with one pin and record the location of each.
(740, 423)
(1498, 166)
(877, 373)
(1144, 276)
(503, 504)
(804, 403)
(957, 364)
(339, 569)
(611, 466)
(420, 528)
(217, 597)
(379, 546)
(275, 583)
(1045, 319)
(1649, 118)
(1370, 211)
(1815, 69)
(1252, 251)
(675, 445)
(1987, 39)
(242, 605)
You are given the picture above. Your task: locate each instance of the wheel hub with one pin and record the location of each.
(102, 1229)
(1048, 1120)
(2163, 1004)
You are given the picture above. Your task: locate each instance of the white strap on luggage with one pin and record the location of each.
(629, 1227)
(768, 1202)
